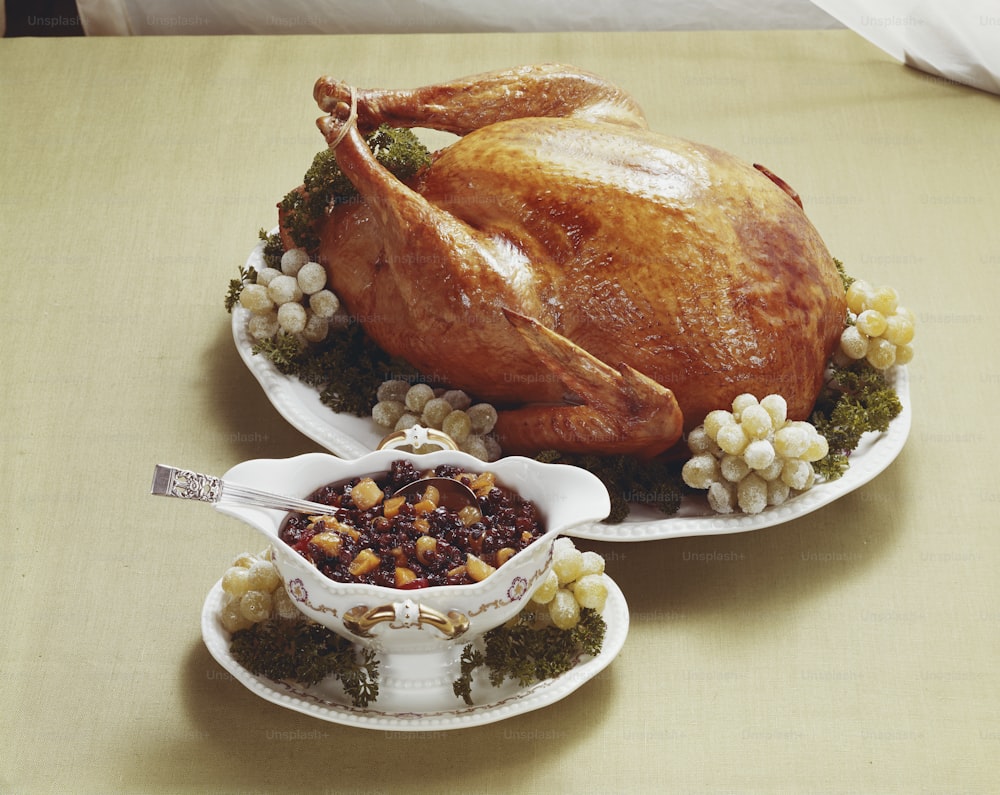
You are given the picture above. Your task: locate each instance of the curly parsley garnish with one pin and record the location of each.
(525, 654)
(273, 249)
(347, 367)
(856, 399)
(282, 648)
(324, 185)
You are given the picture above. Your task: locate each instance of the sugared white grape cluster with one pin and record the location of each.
(294, 299)
(401, 406)
(575, 580)
(882, 329)
(254, 592)
(752, 456)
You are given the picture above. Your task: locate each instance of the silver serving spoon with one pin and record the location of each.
(187, 485)
(453, 494)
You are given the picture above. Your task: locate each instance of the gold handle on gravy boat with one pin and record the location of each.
(360, 619)
(417, 438)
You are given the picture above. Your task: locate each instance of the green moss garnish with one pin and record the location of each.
(855, 400)
(284, 350)
(347, 367)
(399, 150)
(525, 654)
(306, 652)
(273, 249)
(325, 185)
(655, 483)
(471, 659)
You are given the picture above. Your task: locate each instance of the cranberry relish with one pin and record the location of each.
(412, 543)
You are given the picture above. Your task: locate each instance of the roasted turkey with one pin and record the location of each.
(606, 286)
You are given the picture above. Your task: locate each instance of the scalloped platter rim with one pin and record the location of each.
(431, 705)
(352, 437)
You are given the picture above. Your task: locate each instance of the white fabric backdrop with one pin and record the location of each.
(958, 39)
(205, 17)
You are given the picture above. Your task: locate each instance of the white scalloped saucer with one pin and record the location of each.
(426, 702)
(351, 437)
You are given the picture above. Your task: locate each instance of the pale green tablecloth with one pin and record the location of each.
(853, 650)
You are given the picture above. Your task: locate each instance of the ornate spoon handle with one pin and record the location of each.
(187, 485)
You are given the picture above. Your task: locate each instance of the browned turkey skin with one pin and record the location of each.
(606, 285)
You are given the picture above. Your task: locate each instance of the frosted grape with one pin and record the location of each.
(567, 563)
(881, 354)
(263, 576)
(386, 413)
(457, 398)
(564, 609)
(716, 420)
(857, 296)
(593, 563)
(796, 473)
(899, 330)
(759, 454)
(475, 446)
(756, 421)
(292, 318)
(408, 420)
(720, 497)
(853, 343)
(435, 410)
(266, 275)
(244, 560)
(256, 606)
(292, 260)
(699, 441)
(236, 581)
(393, 390)
(777, 491)
(732, 438)
(232, 618)
(700, 471)
(311, 278)
(777, 408)
(884, 300)
(417, 397)
(773, 472)
(483, 417)
(263, 326)
(284, 289)
(255, 298)
(871, 323)
(316, 328)
(791, 441)
(733, 468)
(743, 401)
(547, 590)
(591, 591)
(751, 494)
(324, 304)
(457, 425)
(818, 448)
(493, 450)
